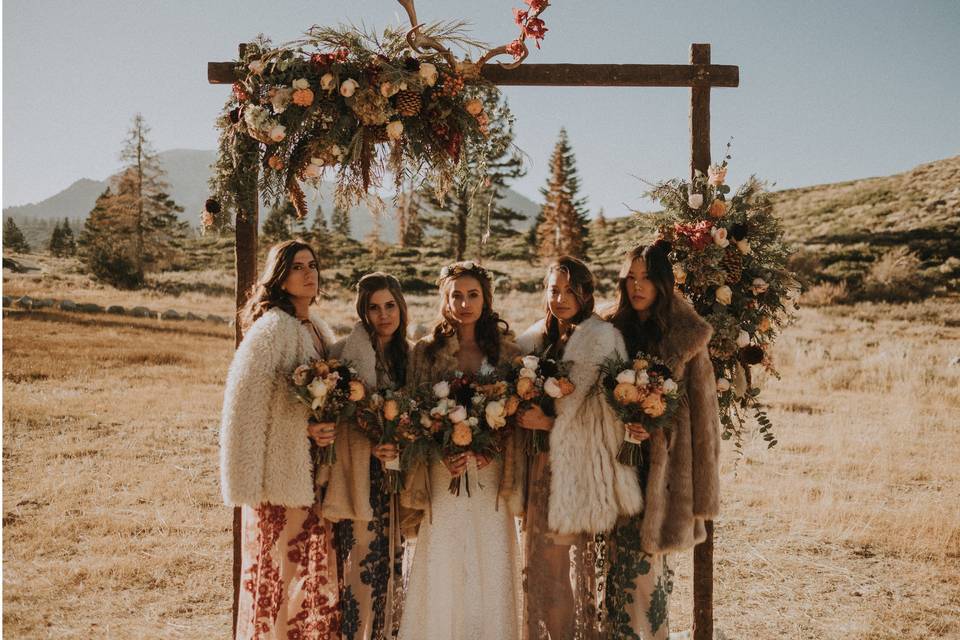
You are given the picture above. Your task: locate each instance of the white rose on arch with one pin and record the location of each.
(428, 73)
(348, 87)
(724, 295)
(759, 286)
(328, 82)
(720, 237)
(395, 130)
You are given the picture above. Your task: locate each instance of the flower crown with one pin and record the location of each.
(460, 268)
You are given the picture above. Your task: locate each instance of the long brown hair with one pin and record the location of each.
(646, 334)
(490, 325)
(397, 351)
(583, 284)
(268, 291)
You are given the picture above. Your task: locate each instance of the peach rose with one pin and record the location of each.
(526, 389)
(764, 325)
(275, 163)
(462, 435)
(303, 97)
(716, 174)
(391, 409)
(718, 208)
(654, 405)
(513, 403)
(566, 387)
(320, 369)
(626, 393)
(474, 107)
(357, 392)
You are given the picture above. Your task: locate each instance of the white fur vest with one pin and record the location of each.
(589, 489)
(264, 446)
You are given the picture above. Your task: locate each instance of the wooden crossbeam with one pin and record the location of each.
(576, 75)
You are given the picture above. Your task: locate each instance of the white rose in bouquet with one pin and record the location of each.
(552, 388)
(528, 373)
(642, 378)
(459, 414)
(531, 362)
(743, 339)
(669, 386)
(627, 375)
(441, 389)
(495, 413)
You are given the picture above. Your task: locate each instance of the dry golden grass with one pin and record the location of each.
(849, 528)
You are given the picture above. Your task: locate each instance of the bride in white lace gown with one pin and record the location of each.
(464, 581)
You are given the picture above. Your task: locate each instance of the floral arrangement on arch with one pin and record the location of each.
(356, 104)
(730, 261)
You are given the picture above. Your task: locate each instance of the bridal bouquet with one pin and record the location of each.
(640, 391)
(331, 389)
(449, 405)
(390, 417)
(539, 382)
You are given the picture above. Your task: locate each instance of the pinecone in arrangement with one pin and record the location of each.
(732, 264)
(409, 103)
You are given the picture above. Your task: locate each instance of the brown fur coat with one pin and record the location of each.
(683, 485)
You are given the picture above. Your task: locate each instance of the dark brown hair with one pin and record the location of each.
(268, 291)
(397, 352)
(583, 284)
(489, 326)
(646, 334)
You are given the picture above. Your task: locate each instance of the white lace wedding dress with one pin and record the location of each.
(464, 582)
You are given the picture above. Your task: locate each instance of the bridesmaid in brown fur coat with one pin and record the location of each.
(680, 469)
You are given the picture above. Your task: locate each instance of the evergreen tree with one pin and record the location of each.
(340, 221)
(562, 229)
(67, 241)
(279, 225)
(13, 238)
(55, 246)
(471, 216)
(134, 226)
(319, 233)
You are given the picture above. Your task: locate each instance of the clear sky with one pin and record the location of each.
(828, 90)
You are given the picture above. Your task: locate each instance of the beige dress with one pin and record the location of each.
(288, 570)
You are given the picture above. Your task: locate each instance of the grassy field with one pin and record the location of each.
(113, 525)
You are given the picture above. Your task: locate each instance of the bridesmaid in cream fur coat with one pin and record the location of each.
(578, 488)
(289, 574)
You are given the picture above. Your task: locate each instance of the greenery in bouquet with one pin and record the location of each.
(391, 417)
(730, 260)
(640, 391)
(538, 381)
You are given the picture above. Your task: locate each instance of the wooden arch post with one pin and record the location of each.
(700, 76)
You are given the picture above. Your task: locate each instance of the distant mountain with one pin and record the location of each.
(188, 171)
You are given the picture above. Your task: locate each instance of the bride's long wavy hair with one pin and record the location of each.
(268, 291)
(490, 326)
(397, 352)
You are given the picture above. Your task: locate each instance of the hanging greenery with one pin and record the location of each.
(351, 103)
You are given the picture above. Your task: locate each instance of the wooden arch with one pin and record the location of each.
(699, 75)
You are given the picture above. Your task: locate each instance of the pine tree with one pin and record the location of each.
(319, 233)
(134, 226)
(68, 243)
(471, 216)
(55, 246)
(563, 227)
(340, 221)
(279, 224)
(13, 238)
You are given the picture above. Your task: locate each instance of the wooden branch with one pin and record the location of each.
(576, 75)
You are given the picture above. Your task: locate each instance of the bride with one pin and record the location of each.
(464, 579)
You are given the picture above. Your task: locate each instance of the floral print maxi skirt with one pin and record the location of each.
(288, 588)
(370, 576)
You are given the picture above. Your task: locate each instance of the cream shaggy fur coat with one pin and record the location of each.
(264, 446)
(589, 489)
